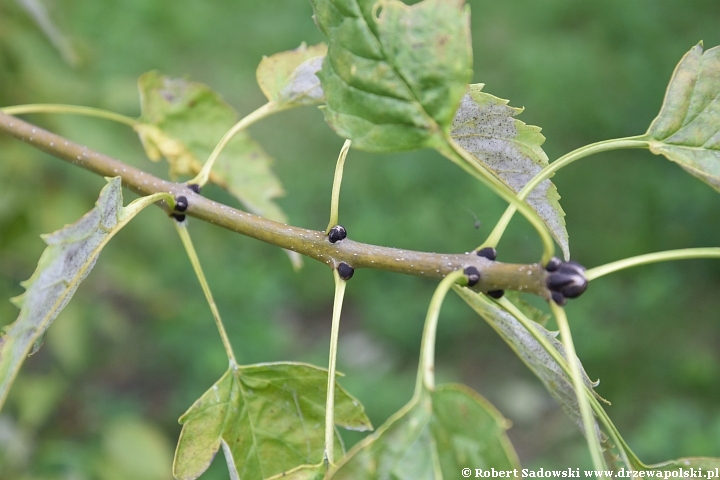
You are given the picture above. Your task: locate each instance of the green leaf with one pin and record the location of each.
(687, 130)
(69, 257)
(289, 79)
(394, 74)
(184, 120)
(530, 351)
(433, 437)
(268, 418)
(511, 150)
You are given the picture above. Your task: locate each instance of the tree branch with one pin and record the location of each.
(312, 243)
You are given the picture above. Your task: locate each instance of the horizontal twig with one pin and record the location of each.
(312, 243)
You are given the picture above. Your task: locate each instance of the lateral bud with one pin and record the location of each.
(473, 276)
(345, 271)
(337, 233)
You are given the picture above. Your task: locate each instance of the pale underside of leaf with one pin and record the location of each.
(289, 78)
(485, 126)
(687, 129)
(530, 351)
(268, 418)
(394, 73)
(433, 437)
(69, 257)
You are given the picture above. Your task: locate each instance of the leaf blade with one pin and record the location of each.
(687, 129)
(485, 126)
(289, 78)
(67, 260)
(394, 73)
(433, 436)
(265, 417)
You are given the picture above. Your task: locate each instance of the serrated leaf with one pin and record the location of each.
(183, 121)
(394, 74)
(268, 418)
(289, 78)
(69, 257)
(485, 126)
(530, 351)
(687, 129)
(435, 436)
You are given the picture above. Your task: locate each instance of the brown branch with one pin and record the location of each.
(312, 243)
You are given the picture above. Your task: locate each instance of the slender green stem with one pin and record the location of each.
(577, 379)
(472, 166)
(192, 255)
(330, 401)
(337, 181)
(267, 109)
(682, 254)
(549, 171)
(426, 369)
(70, 109)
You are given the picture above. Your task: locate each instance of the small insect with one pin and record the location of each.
(496, 293)
(477, 224)
(337, 233)
(472, 275)
(345, 271)
(487, 252)
(181, 203)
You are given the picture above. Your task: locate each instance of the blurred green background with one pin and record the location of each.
(137, 344)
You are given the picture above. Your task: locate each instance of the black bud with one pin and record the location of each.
(178, 217)
(558, 280)
(568, 280)
(559, 298)
(487, 252)
(553, 264)
(345, 271)
(472, 275)
(194, 187)
(181, 203)
(337, 233)
(496, 293)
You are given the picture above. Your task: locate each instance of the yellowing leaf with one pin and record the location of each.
(267, 418)
(183, 121)
(435, 436)
(687, 129)
(70, 255)
(485, 126)
(289, 78)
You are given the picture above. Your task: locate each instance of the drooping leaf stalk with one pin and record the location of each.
(330, 403)
(426, 369)
(549, 171)
(192, 255)
(591, 433)
(337, 181)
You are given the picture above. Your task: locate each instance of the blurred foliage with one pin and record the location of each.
(137, 344)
